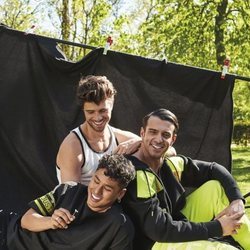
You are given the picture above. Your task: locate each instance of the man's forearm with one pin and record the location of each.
(35, 222)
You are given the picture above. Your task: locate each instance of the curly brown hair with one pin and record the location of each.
(94, 89)
(118, 168)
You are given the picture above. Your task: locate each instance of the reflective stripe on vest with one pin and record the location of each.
(176, 164)
(45, 203)
(147, 184)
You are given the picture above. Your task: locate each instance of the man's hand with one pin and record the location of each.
(128, 147)
(61, 218)
(235, 206)
(230, 223)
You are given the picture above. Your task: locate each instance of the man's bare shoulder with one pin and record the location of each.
(124, 135)
(71, 140)
(70, 158)
(70, 145)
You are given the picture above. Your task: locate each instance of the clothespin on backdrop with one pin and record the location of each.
(225, 68)
(107, 46)
(30, 30)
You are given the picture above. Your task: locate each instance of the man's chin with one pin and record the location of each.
(97, 128)
(157, 154)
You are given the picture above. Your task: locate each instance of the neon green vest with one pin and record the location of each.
(148, 184)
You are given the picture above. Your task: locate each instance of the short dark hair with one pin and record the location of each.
(94, 89)
(163, 114)
(118, 168)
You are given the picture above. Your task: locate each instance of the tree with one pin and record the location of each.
(19, 14)
(198, 33)
(85, 22)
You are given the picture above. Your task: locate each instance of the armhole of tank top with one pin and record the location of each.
(78, 137)
(113, 135)
(117, 143)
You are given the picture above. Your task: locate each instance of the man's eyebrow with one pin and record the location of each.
(153, 129)
(106, 185)
(111, 187)
(97, 177)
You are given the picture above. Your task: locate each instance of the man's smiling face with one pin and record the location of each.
(157, 136)
(103, 192)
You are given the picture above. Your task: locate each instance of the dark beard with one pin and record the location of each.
(96, 129)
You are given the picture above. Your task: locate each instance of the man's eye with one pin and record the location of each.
(96, 181)
(103, 111)
(108, 189)
(166, 136)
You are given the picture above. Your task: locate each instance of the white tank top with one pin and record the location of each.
(91, 156)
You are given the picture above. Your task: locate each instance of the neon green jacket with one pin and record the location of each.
(153, 202)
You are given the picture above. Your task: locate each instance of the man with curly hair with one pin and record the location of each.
(74, 216)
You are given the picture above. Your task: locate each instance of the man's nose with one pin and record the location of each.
(159, 138)
(98, 189)
(98, 116)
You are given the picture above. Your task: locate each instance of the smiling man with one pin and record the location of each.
(78, 155)
(158, 203)
(74, 216)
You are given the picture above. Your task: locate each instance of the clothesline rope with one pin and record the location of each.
(243, 78)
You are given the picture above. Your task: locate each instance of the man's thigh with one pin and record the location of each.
(193, 245)
(205, 202)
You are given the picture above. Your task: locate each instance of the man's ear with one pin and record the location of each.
(173, 139)
(142, 132)
(121, 194)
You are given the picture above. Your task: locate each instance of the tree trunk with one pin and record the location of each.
(220, 20)
(65, 25)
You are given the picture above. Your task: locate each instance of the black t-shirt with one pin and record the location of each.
(90, 230)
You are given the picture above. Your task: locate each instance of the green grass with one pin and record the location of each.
(241, 170)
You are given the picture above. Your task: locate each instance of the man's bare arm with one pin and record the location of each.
(128, 141)
(70, 159)
(36, 222)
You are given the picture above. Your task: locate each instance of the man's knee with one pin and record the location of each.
(212, 184)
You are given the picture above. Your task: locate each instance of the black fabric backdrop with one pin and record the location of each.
(38, 108)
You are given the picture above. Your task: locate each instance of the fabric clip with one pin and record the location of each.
(30, 30)
(107, 46)
(225, 68)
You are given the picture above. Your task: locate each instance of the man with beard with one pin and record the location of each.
(80, 151)
(74, 216)
(158, 203)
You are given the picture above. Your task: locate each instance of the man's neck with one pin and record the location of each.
(153, 163)
(98, 141)
(92, 134)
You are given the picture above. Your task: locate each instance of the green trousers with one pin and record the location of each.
(203, 205)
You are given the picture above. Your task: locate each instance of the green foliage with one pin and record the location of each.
(241, 133)
(18, 14)
(241, 170)
(241, 97)
(84, 22)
